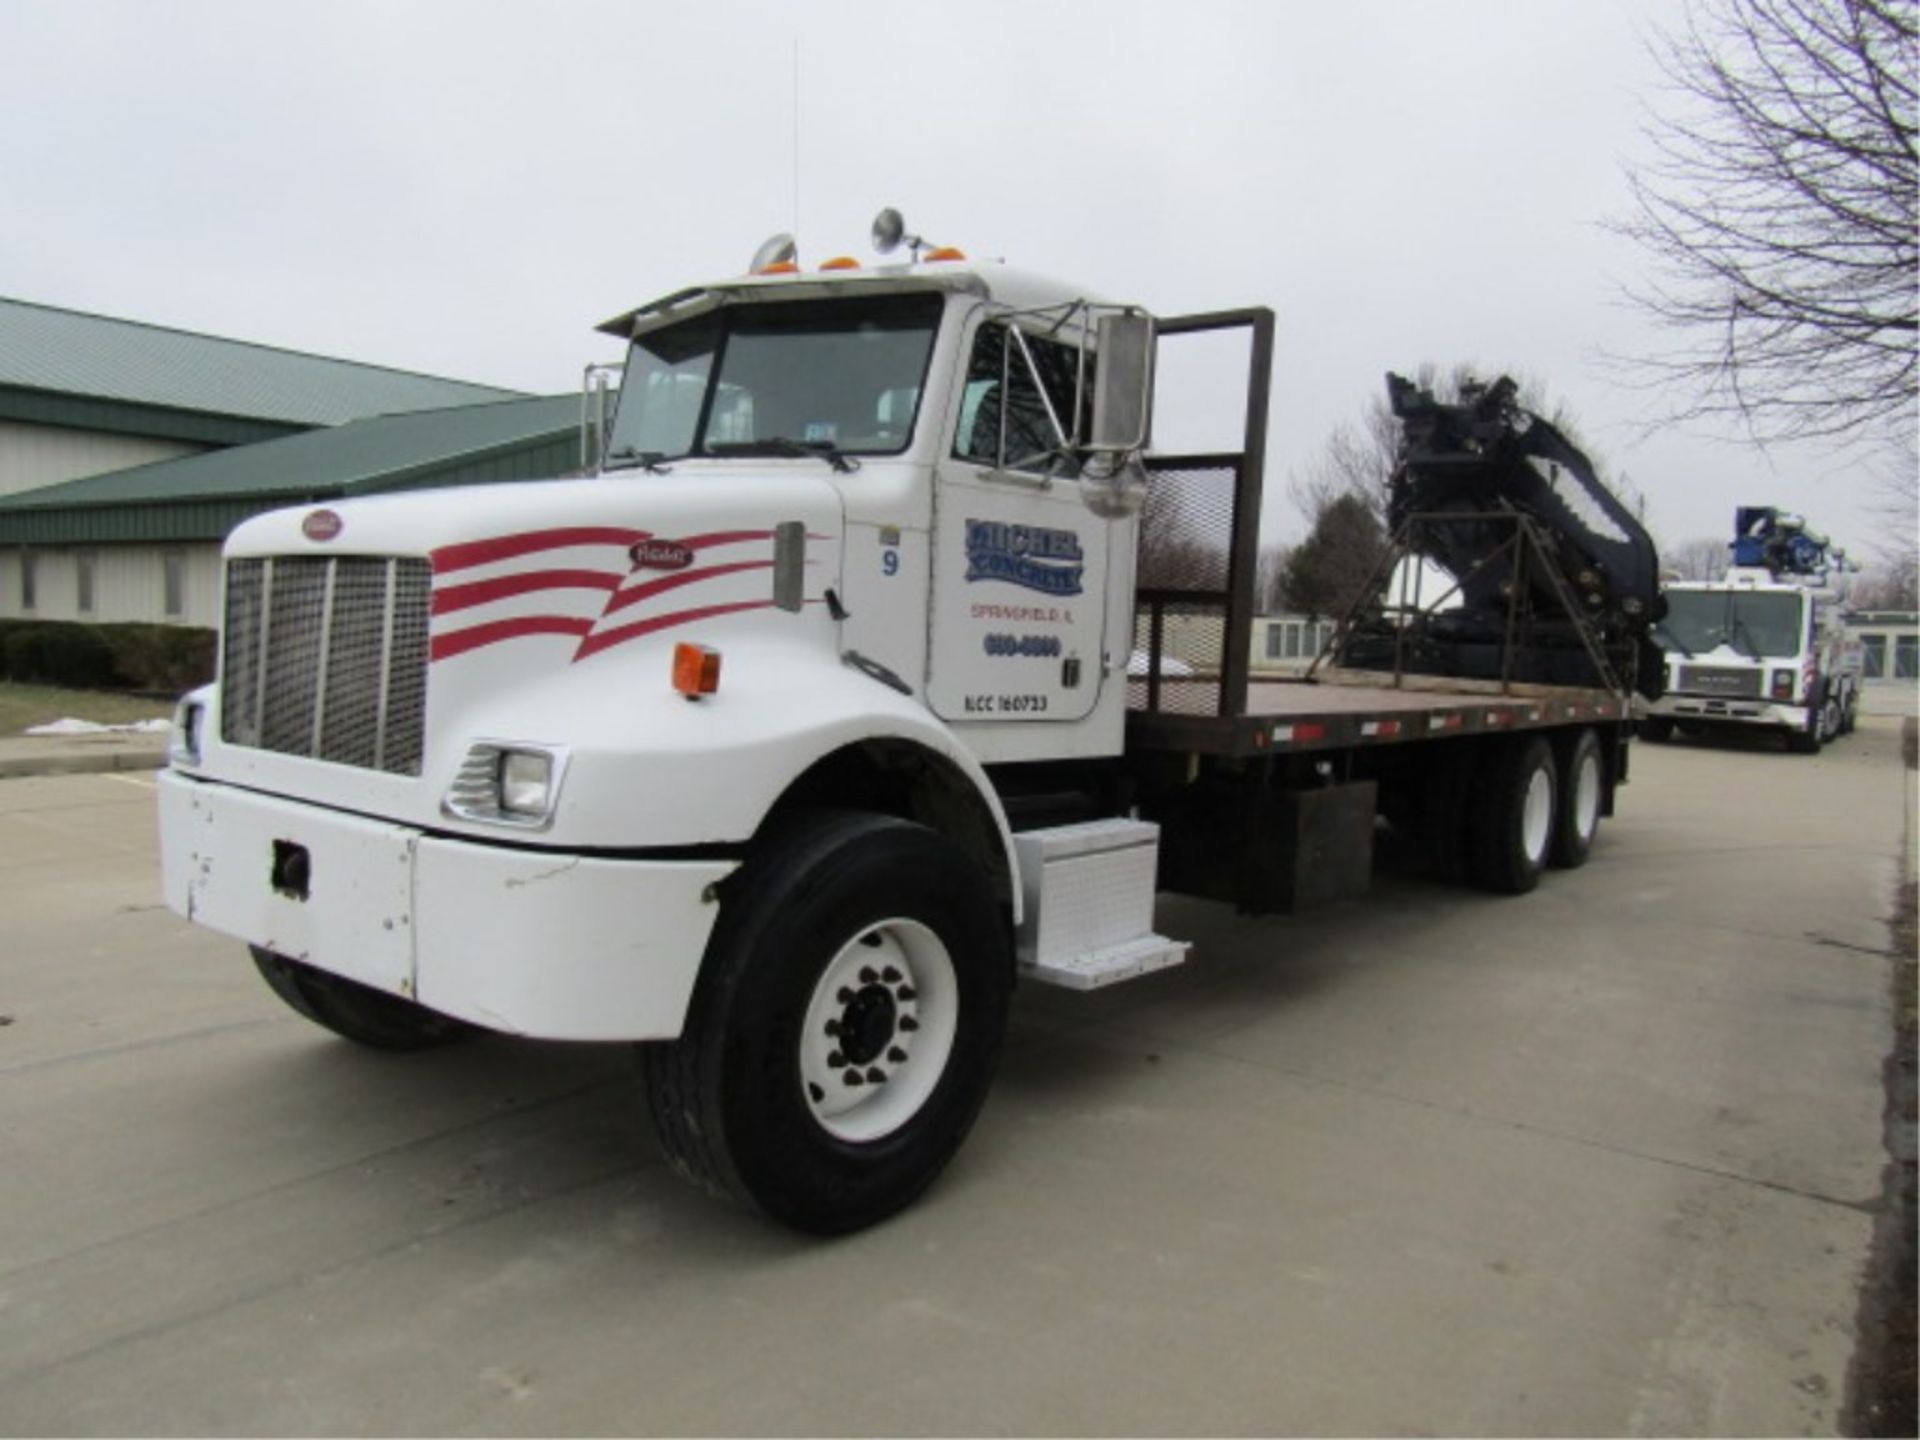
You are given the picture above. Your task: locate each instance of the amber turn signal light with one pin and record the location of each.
(696, 670)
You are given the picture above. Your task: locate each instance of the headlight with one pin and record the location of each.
(183, 748)
(505, 783)
(526, 780)
(1783, 684)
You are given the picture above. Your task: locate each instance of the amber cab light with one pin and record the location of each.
(944, 252)
(779, 267)
(696, 670)
(840, 262)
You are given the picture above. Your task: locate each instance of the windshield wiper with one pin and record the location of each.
(785, 445)
(628, 458)
(1735, 631)
(1673, 639)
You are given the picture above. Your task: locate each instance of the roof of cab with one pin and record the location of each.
(990, 280)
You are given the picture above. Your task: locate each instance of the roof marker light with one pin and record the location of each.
(840, 262)
(943, 252)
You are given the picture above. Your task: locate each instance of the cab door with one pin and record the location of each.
(1019, 561)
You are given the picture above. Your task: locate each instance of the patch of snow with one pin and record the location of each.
(70, 726)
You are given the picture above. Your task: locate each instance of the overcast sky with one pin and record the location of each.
(467, 188)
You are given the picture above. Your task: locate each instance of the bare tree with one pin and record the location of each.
(1779, 214)
(1892, 583)
(1696, 559)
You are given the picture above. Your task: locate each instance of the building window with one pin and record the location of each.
(1873, 656)
(1273, 642)
(27, 558)
(83, 581)
(173, 580)
(1906, 657)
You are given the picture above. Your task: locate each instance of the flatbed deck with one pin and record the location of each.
(1343, 709)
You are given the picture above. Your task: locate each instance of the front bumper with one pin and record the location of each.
(1702, 709)
(531, 942)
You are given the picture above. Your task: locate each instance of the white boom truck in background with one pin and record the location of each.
(1765, 647)
(785, 742)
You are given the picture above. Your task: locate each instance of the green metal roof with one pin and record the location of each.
(201, 497)
(70, 353)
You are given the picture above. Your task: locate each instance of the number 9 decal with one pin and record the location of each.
(889, 562)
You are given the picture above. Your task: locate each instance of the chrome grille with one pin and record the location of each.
(1719, 680)
(327, 657)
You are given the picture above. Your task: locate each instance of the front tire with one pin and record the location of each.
(846, 1025)
(1510, 832)
(354, 1011)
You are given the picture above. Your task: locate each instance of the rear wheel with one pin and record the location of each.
(1833, 719)
(846, 1025)
(1511, 828)
(358, 1012)
(1581, 790)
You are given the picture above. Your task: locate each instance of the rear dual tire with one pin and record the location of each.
(1511, 828)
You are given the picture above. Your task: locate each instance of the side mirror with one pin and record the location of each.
(1123, 384)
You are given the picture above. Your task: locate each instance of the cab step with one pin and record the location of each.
(1087, 898)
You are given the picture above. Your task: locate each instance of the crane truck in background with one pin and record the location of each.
(846, 693)
(1765, 647)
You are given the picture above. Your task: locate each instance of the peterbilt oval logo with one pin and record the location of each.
(322, 525)
(661, 555)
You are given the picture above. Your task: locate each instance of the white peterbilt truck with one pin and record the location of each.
(843, 694)
(1763, 648)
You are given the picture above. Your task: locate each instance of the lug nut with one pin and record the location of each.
(867, 975)
(876, 1074)
(852, 1077)
(909, 1024)
(897, 1055)
(890, 974)
(816, 1092)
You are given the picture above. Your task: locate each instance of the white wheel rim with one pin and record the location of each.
(1830, 718)
(879, 1030)
(1536, 819)
(1586, 796)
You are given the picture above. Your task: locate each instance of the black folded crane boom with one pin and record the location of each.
(1554, 580)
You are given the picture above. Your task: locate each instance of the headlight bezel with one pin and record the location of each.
(479, 791)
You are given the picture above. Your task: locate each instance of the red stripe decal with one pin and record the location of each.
(505, 547)
(1309, 732)
(479, 592)
(458, 642)
(1389, 727)
(606, 639)
(672, 582)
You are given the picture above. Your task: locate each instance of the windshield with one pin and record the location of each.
(840, 375)
(1751, 622)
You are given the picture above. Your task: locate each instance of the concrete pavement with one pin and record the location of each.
(80, 754)
(1601, 1159)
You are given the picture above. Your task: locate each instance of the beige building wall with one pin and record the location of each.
(36, 455)
(129, 583)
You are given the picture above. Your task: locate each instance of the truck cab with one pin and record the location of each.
(1764, 648)
(497, 757)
